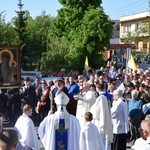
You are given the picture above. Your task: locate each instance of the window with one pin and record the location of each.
(128, 28)
(139, 25)
(118, 27)
(137, 44)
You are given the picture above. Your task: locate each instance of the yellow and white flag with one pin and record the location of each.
(131, 63)
(86, 65)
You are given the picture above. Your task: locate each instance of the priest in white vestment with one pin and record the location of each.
(102, 117)
(89, 136)
(60, 130)
(85, 100)
(26, 131)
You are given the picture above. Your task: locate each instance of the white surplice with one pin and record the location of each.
(90, 138)
(141, 144)
(46, 132)
(119, 114)
(84, 105)
(102, 119)
(26, 132)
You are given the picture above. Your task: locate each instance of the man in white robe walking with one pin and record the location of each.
(102, 117)
(90, 137)
(60, 130)
(85, 100)
(26, 130)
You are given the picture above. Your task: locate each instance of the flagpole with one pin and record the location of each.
(128, 53)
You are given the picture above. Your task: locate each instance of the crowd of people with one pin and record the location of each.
(101, 110)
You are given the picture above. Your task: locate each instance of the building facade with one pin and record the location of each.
(135, 29)
(116, 30)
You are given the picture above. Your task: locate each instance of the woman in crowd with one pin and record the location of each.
(44, 103)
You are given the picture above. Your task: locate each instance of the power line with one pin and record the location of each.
(140, 8)
(125, 6)
(131, 9)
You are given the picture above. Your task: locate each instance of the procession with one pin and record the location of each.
(96, 110)
(74, 75)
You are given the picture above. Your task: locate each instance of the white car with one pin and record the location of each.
(48, 79)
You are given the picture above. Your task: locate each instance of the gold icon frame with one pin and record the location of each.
(10, 66)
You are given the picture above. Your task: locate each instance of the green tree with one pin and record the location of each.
(53, 58)
(38, 38)
(20, 23)
(7, 32)
(87, 28)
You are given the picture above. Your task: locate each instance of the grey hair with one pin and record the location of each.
(118, 92)
(86, 84)
(134, 92)
(147, 117)
(146, 125)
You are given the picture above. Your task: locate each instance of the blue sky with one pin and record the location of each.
(114, 8)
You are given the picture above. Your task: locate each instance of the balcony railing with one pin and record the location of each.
(133, 34)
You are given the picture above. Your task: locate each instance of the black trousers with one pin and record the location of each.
(134, 130)
(119, 142)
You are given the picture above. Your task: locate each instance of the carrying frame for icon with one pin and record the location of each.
(10, 66)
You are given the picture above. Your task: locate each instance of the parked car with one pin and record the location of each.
(31, 74)
(48, 79)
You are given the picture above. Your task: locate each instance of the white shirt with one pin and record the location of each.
(141, 144)
(119, 115)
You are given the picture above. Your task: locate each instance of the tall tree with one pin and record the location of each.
(53, 58)
(38, 37)
(7, 32)
(87, 28)
(20, 23)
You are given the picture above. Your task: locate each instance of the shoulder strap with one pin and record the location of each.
(44, 98)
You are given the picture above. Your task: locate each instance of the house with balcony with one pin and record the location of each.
(135, 29)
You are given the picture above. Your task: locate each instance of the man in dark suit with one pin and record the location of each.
(60, 86)
(29, 96)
